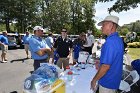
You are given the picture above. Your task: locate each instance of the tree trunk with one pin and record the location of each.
(7, 25)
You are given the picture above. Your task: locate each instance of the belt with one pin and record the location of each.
(40, 59)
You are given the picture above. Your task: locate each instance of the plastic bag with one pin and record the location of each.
(42, 78)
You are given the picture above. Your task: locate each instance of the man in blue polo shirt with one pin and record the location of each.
(4, 46)
(38, 47)
(26, 42)
(111, 60)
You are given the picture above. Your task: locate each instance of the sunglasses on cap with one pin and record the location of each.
(64, 30)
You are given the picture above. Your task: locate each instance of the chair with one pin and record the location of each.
(125, 68)
(125, 86)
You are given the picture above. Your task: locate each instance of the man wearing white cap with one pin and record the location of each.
(38, 47)
(111, 60)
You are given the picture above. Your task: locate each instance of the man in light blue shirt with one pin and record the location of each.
(49, 40)
(111, 60)
(26, 42)
(38, 47)
(50, 43)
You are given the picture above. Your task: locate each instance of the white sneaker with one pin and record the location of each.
(4, 61)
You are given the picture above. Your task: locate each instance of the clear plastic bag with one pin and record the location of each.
(42, 78)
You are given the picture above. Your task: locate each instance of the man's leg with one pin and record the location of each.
(89, 50)
(26, 47)
(3, 55)
(65, 63)
(59, 63)
(106, 90)
(51, 60)
(2, 58)
(27, 54)
(5, 52)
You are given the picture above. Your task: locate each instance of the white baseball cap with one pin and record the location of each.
(110, 18)
(38, 28)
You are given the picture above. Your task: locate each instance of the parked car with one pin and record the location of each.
(73, 37)
(12, 41)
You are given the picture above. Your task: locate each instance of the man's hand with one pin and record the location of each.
(43, 51)
(68, 57)
(2, 44)
(49, 51)
(93, 84)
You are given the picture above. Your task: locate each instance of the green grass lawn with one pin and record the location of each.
(134, 53)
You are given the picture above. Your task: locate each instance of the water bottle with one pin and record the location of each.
(70, 73)
(83, 65)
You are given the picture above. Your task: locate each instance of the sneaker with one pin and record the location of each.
(28, 57)
(4, 61)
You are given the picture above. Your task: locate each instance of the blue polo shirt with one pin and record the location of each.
(1, 37)
(26, 39)
(4, 39)
(112, 54)
(35, 44)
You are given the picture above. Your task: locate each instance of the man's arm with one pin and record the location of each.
(43, 51)
(71, 48)
(101, 72)
(1, 43)
(93, 41)
(70, 52)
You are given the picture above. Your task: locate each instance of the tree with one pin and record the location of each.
(123, 31)
(22, 11)
(76, 15)
(122, 5)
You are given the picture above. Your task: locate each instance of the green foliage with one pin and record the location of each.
(75, 15)
(2, 27)
(122, 5)
(98, 33)
(134, 53)
(134, 45)
(123, 31)
(132, 27)
(22, 11)
(137, 39)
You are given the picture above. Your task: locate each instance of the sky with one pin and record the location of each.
(125, 17)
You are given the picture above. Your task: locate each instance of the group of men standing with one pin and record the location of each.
(43, 49)
(111, 60)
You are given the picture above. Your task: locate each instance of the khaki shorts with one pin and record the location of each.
(64, 62)
(4, 48)
(26, 47)
(106, 90)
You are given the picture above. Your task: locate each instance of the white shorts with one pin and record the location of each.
(4, 48)
(106, 90)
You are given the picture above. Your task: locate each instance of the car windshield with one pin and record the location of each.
(11, 39)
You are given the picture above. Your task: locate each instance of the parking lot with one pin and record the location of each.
(14, 72)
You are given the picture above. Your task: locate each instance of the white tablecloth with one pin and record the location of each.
(80, 82)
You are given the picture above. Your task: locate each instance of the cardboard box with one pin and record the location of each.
(58, 87)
